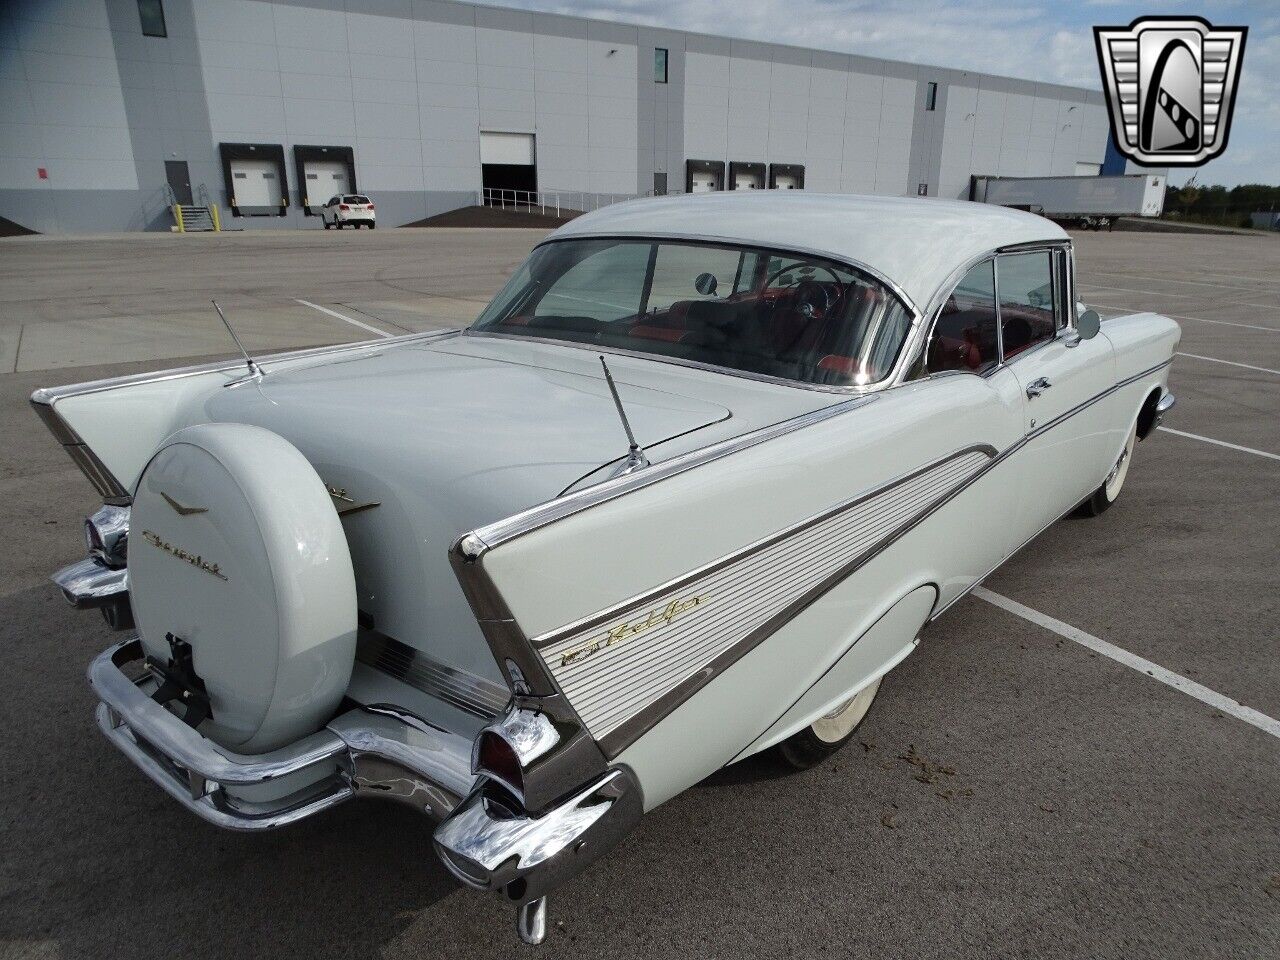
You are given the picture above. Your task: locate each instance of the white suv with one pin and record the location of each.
(351, 209)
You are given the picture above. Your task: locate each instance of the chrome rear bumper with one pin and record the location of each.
(485, 836)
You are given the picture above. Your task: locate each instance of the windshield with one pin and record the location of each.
(780, 314)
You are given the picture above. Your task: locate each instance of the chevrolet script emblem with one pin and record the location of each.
(182, 511)
(1171, 87)
(197, 561)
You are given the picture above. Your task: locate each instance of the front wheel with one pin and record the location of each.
(829, 733)
(1107, 494)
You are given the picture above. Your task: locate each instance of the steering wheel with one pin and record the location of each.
(807, 305)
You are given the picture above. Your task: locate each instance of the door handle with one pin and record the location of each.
(1037, 387)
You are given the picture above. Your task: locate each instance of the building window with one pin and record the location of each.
(931, 97)
(659, 65)
(151, 13)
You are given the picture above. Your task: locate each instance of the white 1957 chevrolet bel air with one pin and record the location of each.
(687, 490)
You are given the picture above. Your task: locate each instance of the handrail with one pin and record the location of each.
(553, 202)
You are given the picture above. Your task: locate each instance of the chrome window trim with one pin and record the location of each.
(939, 300)
(891, 378)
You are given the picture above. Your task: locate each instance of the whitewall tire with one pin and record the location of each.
(829, 733)
(1107, 494)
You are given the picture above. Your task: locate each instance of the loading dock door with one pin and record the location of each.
(323, 179)
(256, 183)
(745, 180)
(508, 167)
(785, 181)
(704, 181)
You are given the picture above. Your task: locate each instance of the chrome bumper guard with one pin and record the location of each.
(491, 843)
(89, 583)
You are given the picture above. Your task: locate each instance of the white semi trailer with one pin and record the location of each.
(1090, 199)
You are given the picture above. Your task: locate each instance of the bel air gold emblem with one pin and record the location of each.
(625, 631)
(195, 560)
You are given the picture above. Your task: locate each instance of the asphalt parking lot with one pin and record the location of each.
(1013, 793)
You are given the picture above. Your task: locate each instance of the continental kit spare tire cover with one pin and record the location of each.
(236, 549)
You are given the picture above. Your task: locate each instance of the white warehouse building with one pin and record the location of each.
(110, 110)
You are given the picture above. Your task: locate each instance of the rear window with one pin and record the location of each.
(797, 317)
(355, 199)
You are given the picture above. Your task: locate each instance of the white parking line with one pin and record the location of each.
(1179, 316)
(1202, 693)
(1199, 283)
(1221, 443)
(1229, 363)
(1171, 293)
(343, 316)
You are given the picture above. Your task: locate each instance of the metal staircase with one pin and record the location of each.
(200, 217)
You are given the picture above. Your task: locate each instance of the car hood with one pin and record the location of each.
(444, 438)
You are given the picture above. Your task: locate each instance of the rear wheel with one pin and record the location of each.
(373, 226)
(1107, 494)
(326, 224)
(829, 733)
(338, 224)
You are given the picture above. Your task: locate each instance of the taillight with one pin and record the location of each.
(371, 206)
(496, 757)
(343, 206)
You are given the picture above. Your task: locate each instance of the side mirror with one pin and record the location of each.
(1088, 324)
(706, 284)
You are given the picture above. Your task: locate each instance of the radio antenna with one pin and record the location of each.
(254, 369)
(636, 459)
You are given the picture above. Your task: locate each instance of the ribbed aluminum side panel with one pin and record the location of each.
(684, 629)
(466, 691)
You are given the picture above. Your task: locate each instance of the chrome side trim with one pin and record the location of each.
(473, 694)
(44, 401)
(48, 396)
(475, 543)
(1014, 448)
(89, 583)
(622, 687)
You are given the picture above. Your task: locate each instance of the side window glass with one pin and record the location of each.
(1027, 299)
(965, 334)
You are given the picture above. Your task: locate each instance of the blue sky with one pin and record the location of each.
(1034, 40)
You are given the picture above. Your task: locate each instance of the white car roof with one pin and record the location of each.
(915, 242)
